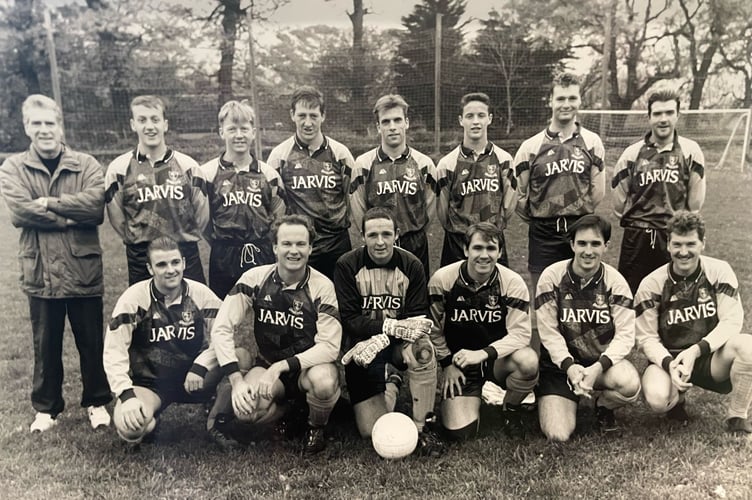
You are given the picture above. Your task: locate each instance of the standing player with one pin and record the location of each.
(244, 201)
(396, 177)
(315, 171)
(655, 177)
(154, 191)
(689, 319)
(475, 182)
(155, 347)
(586, 325)
(559, 178)
(297, 330)
(481, 310)
(56, 197)
(384, 305)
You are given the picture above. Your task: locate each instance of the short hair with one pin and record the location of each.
(163, 243)
(378, 213)
(564, 80)
(237, 111)
(39, 101)
(294, 220)
(150, 101)
(486, 230)
(474, 97)
(684, 222)
(664, 95)
(310, 96)
(590, 221)
(390, 101)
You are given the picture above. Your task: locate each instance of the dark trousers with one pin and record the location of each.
(48, 325)
(417, 244)
(642, 252)
(327, 250)
(137, 260)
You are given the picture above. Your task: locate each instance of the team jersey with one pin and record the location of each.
(243, 202)
(584, 321)
(492, 316)
(473, 189)
(651, 183)
(295, 322)
(146, 201)
(406, 185)
(674, 312)
(368, 292)
(559, 177)
(317, 183)
(150, 343)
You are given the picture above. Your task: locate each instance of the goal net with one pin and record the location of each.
(723, 134)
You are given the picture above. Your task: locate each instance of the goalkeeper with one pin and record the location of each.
(383, 303)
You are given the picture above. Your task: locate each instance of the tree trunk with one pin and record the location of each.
(230, 20)
(358, 103)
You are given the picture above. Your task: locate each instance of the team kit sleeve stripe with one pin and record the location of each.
(646, 305)
(517, 303)
(728, 289)
(623, 301)
(330, 310)
(244, 289)
(622, 174)
(124, 319)
(543, 298)
(697, 168)
(521, 167)
(210, 312)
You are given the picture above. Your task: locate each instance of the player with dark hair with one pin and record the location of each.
(154, 191)
(396, 177)
(654, 178)
(315, 171)
(689, 321)
(475, 181)
(297, 330)
(480, 309)
(586, 326)
(155, 348)
(383, 302)
(560, 177)
(55, 196)
(244, 201)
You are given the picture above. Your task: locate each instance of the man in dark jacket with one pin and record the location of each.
(56, 197)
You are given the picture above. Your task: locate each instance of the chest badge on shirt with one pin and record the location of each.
(702, 294)
(673, 162)
(577, 153)
(186, 318)
(174, 176)
(297, 307)
(410, 173)
(493, 302)
(491, 170)
(254, 186)
(328, 169)
(600, 301)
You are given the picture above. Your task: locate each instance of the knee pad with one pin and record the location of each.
(464, 433)
(422, 352)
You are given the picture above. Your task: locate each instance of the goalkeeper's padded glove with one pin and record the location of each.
(365, 351)
(410, 329)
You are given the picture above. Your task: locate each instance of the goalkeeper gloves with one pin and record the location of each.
(409, 330)
(365, 351)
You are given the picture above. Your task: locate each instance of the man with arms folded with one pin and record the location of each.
(586, 326)
(483, 333)
(298, 333)
(689, 319)
(383, 302)
(154, 191)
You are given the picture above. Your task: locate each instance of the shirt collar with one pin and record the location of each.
(302, 283)
(370, 264)
(304, 147)
(578, 280)
(385, 157)
(550, 134)
(142, 157)
(225, 164)
(469, 153)
(668, 147)
(675, 278)
(469, 282)
(160, 297)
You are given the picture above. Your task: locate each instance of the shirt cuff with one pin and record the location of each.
(492, 353)
(198, 370)
(704, 347)
(605, 362)
(126, 395)
(445, 362)
(666, 361)
(230, 368)
(567, 363)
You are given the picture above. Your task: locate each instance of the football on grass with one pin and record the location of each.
(394, 436)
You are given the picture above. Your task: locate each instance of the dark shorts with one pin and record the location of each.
(701, 376)
(365, 382)
(454, 249)
(327, 249)
(289, 381)
(548, 243)
(642, 252)
(137, 260)
(229, 260)
(170, 392)
(476, 376)
(417, 244)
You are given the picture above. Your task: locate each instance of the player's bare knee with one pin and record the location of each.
(527, 362)
(656, 396)
(322, 381)
(741, 347)
(420, 355)
(557, 433)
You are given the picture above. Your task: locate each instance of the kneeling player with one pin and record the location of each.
(586, 325)
(481, 310)
(297, 330)
(381, 290)
(155, 346)
(689, 319)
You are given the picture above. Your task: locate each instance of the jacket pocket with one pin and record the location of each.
(86, 265)
(31, 269)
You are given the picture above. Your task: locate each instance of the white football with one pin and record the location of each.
(394, 435)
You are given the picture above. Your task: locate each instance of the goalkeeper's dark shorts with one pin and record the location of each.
(365, 382)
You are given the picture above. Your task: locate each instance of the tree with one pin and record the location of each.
(415, 61)
(736, 51)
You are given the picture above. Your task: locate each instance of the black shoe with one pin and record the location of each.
(315, 441)
(604, 418)
(738, 425)
(430, 443)
(221, 435)
(512, 415)
(679, 413)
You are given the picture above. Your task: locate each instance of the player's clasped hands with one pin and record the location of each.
(365, 351)
(454, 379)
(409, 329)
(575, 377)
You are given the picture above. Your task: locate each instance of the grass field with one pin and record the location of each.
(648, 458)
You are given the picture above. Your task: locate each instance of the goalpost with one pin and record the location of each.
(723, 134)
